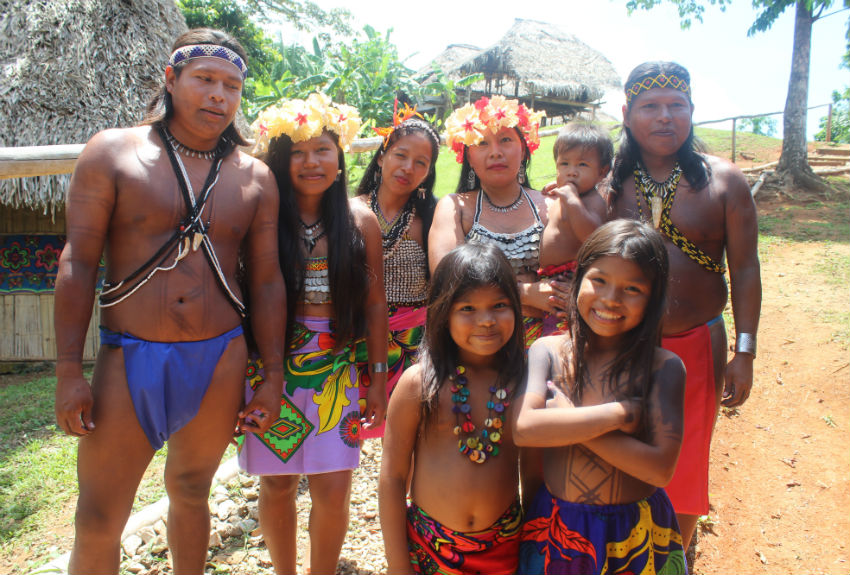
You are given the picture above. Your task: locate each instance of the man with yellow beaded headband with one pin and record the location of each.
(703, 207)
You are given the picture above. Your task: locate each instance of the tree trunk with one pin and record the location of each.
(793, 168)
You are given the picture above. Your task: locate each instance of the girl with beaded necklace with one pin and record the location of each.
(330, 255)
(605, 401)
(447, 420)
(398, 187)
(493, 139)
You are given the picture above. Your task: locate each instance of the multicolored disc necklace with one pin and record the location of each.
(486, 444)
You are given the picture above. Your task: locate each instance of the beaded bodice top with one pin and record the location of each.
(404, 273)
(317, 285)
(521, 248)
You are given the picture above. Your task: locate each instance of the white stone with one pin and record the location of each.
(147, 534)
(131, 545)
(225, 509)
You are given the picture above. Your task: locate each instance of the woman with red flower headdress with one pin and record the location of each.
(493, 140)
(398, 187)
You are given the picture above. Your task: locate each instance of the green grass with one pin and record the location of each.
(719, 142)
(38, 478)
(814, 221)
(834, 267)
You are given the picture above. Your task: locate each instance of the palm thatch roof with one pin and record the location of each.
(537, 63)
(69, 68)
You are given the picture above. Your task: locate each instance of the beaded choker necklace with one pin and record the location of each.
(312, 233)
(657, 194)
(477, 448)
(185, 150)
(392, 231)
(503, 209)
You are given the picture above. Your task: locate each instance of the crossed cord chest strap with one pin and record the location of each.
(191, 234)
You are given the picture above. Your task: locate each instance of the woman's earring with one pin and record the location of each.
(377, 176)
(470, 179)
(338, 174)
(421, 191)
(521, 177)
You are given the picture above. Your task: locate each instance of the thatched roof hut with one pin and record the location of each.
(539, 64)
(69, 68)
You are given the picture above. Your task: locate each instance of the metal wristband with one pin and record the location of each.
(746, 343)
(379, 367)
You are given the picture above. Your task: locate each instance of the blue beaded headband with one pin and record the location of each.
(205, 51)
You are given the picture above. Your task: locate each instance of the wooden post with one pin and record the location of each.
(829, 124)
(734, 131)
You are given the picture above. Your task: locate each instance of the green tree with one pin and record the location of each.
(446, 89)
(840, 129)
(233, 18)
(364, 71)
(303, 14)
(760, 125)
(793, 169)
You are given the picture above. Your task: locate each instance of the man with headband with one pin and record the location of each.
(174, 204)
(703, 207)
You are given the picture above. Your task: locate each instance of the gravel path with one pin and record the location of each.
(236, 544)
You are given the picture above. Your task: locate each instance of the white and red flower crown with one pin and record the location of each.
(302, 120)
(467, 125)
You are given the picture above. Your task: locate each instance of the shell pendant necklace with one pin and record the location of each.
(657, 195)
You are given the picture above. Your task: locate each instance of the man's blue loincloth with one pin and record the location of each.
(167, 381)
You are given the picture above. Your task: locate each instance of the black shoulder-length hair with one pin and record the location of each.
(347, 269)
(160, 108)
(462, 184)
(691, 157)
(424, 206)
(641, 244)
(467, 267)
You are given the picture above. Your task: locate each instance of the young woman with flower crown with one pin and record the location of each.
(330, 255)
(398, 187)
(493, 139)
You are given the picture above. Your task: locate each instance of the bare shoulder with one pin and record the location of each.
(114, 143)
(727, 178)
(253, 173)
(409, 386)
(668, 366)
(362, 200)
(549, 345)
(541, 201)
(452, 201)
(363, 215)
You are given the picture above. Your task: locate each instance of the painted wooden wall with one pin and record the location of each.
(26, 320)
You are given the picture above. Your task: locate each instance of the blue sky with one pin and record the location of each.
(731, 74)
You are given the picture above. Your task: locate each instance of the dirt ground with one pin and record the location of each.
(780, 471)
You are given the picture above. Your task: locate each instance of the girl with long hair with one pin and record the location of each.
(447, 427)
(606, 404)
(330, 255)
